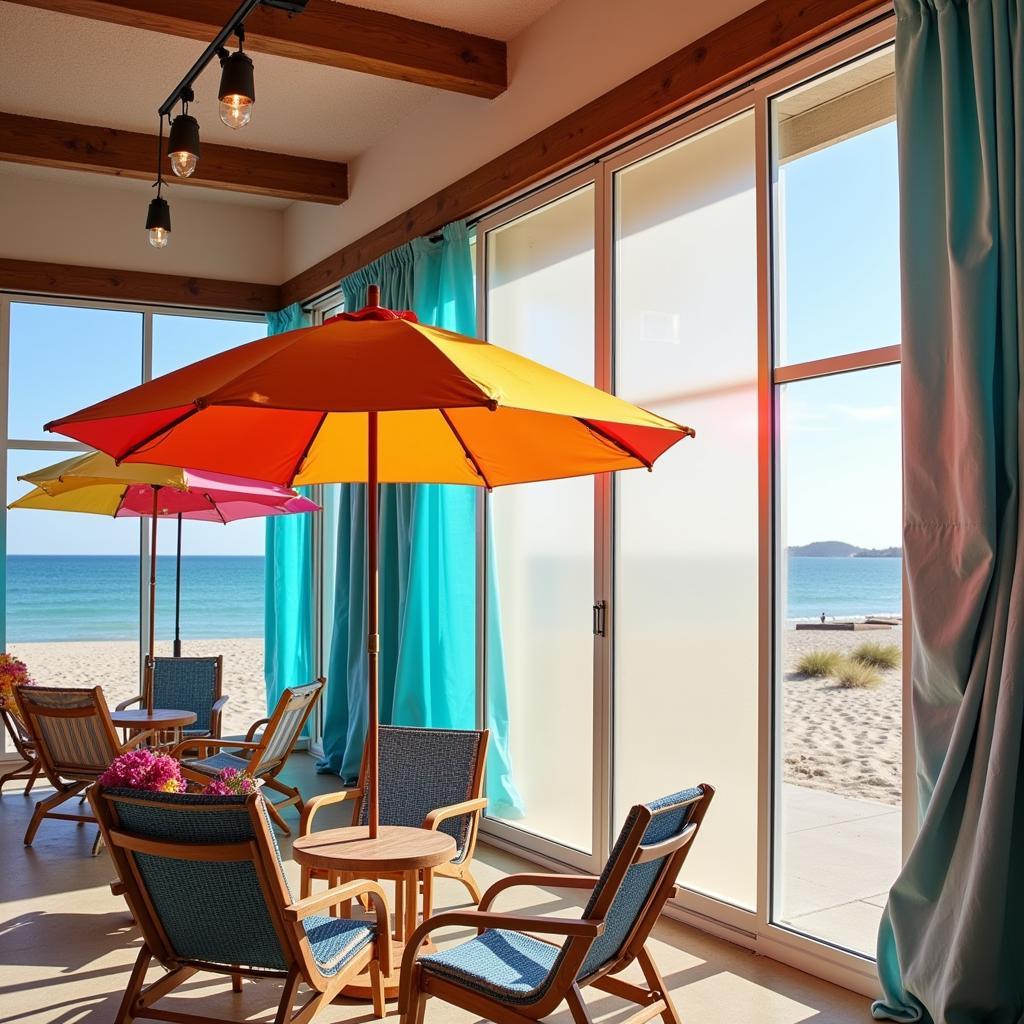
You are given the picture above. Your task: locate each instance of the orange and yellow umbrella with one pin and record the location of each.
(374, 397)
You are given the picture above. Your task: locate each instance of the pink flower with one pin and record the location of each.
(230, 782)
(144, 769)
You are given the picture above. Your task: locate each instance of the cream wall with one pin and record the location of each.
(574, 53)
(95, 221)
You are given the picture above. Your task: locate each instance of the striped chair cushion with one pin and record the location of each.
(77, 746)
(286, 733)
(422, 770)
(189, 684)
(509, 965)
(216, 764)
(335, 940)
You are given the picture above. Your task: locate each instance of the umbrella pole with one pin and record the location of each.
(373, 637)
(148, 685)
(177, 597)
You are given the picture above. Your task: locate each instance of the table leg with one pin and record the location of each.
(428, 893)
(305, 882)
(412, 885)
(400, 934)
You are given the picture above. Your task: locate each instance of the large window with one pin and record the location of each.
(838, 681)
(737, 273)
(75, 591)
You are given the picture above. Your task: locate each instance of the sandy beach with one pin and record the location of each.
(113, 664)
(845, 741)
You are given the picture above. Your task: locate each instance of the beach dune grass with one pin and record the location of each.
(878, 655)
(852, 674)
(819, 664)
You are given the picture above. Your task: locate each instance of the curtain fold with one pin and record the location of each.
(288, 656)
(951, 941)
(427, 668)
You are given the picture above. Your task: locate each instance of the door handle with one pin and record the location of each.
(599, 618)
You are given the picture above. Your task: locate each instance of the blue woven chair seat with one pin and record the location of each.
(508, 965)
(335, 940)
(217, 763)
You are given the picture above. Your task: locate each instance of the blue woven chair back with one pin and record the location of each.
(671, 815)
(422, 770)
(189, 684)
(211, 911)
(296, 703)
(79, 745)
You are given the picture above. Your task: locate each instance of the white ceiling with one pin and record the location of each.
(89, 72)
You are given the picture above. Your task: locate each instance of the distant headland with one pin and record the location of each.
(840, 549)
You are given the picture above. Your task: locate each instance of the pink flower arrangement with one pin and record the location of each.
(13, 672)
(231, 782)
(144, 769)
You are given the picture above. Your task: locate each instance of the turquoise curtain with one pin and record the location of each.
(951, 943)
(427, 561)
(288, 657)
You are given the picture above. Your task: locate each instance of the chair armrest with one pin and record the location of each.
(324, 800)
(546, 880)
(128, 703)
(348, 891)
(219, 703)
(482, 920)
(436, 817)
(118, 888)
(138, 738)
(254, 728)
(203, 746)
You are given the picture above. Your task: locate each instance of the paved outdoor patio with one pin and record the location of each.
(841, 856)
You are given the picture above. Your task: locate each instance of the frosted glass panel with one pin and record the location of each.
(686, 611)
(541, 303)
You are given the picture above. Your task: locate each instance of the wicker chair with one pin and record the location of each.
(75, 742)
(429, 778)
(30, 767)
(508, 976)
(262, 759)
(188, 684)
(203, 878)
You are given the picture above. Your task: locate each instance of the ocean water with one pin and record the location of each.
(96, 597)
(843, 587)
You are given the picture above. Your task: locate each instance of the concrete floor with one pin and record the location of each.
(67, 944)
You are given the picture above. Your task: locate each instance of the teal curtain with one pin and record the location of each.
(951, 943)
(427, 561)
(288, 657)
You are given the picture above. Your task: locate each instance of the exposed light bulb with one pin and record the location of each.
(159, 237)
(158, 222)
(183, 163)
(236, 111)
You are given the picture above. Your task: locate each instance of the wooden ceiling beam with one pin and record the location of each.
(136, 286)
(86, 147)
(727, 58)
(336, 34)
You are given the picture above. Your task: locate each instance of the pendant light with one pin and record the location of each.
(158, 223)
(237, 91)
(183, 142)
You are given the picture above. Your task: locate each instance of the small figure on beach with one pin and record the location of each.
(822, 616)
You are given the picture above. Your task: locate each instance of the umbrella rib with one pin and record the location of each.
(133, 449)
(306, 450)
(465, 449)
(215, 507)
(621, 445)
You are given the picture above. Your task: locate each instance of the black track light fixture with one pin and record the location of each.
(237, 91)
(183, 141)
(158, 216)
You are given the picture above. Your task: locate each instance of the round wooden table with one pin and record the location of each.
(171, 720)
(404, 854)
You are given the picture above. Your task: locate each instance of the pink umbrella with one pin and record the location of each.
(93, 482)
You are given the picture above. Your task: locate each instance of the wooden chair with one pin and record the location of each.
(75, 742)
(429, 778)
(203, 878)
(261, 759)
(30, 767)
(187, 684)
(508, 976)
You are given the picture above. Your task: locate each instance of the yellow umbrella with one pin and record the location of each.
(93, 482)
(375, 396)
